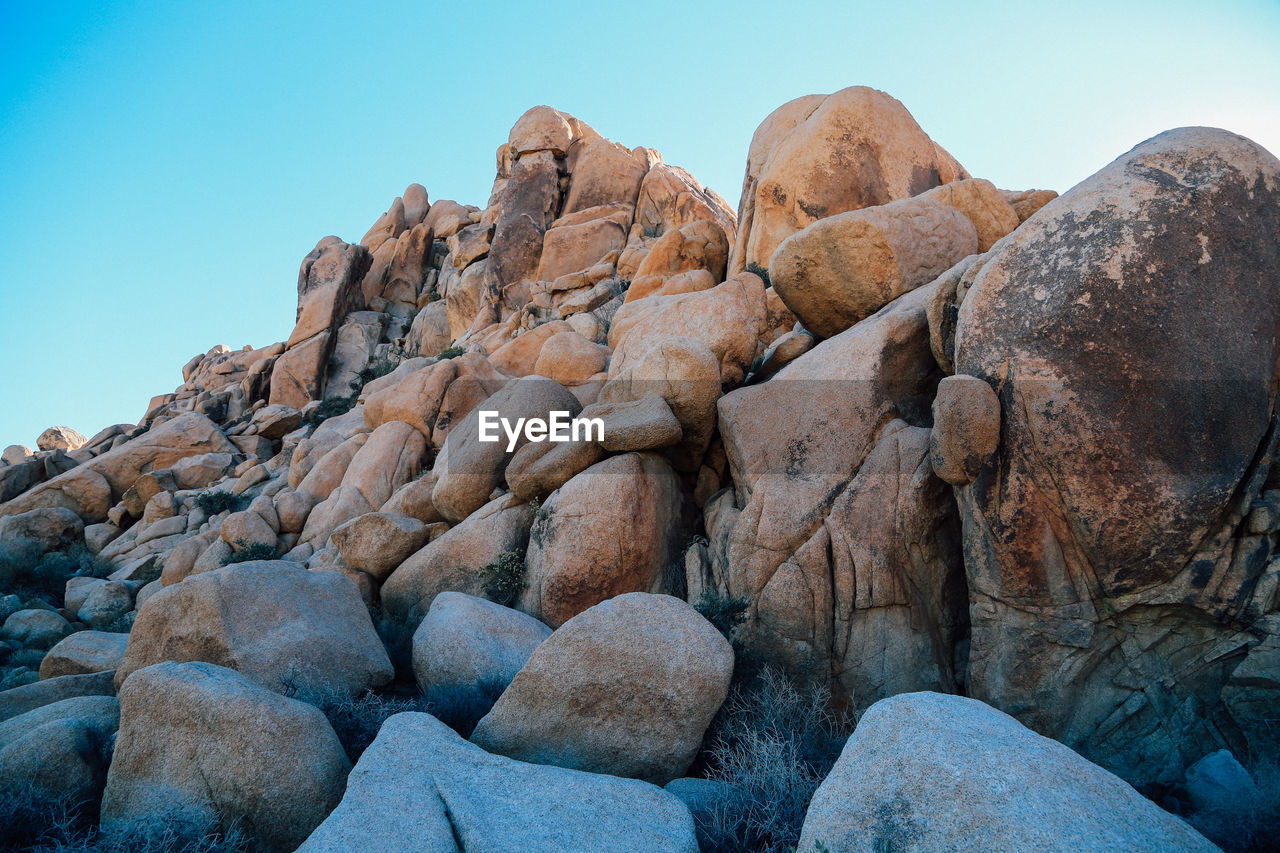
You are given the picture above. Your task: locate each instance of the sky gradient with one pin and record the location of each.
(164, 168)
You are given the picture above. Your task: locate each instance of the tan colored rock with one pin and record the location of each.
(469, 245)
(271, 620)
(538, 469)
(15, 453)
(966, 428)
(414, 500)
(519, 357)
(292, 509)
(671, 198)
(60, 438)
(728, 319)
(575, 247)
(1026, 202)
(542, 128)
(377, 542)
(698, 245)
(276, 421)
(416, 204)
(985, 206)
(644, 424)
(569, 358)
(430, 335)
(845, 268)
(465, 298)
(614, 528)
(685, 373)
(447, 218)
(467, 470)
(415, 399)
(453, 561)
(653, 646)
(245, 529)
(205, 744)
(84, 652)
(602, 172)
(328, 471)
(819, 156)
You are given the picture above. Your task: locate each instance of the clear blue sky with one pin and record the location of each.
(164, 167)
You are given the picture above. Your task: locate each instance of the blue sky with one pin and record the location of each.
(164, 167)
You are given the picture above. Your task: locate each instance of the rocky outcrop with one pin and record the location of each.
(927, 772)
(1118, 608)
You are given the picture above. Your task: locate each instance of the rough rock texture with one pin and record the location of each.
(452, 562)
(207, 740)
(925, 772)
(837, 531)
(59, 749)
(420, 787)
(19, 700)
(820, 155)
(627, 687)
(1119, 609)
(377, 542)
(84, 652)
(846, 267)
(614, 528)
(466, 641)
(966, 428)
(60, 438)
(272, 620)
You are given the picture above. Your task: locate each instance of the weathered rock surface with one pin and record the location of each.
(821, 155)
(60, 749)
(272, 620)
(627, 687)
(208, 742)
(84, 652)
(464, 642)
(925, 772)
(1118, 609)
(614, 528)
(420, 787)
(846, 267)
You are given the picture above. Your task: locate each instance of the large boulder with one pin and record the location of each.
(452, 562)
(465, 642)
(627, 688)
(41, 530)
(20, 700)
(206, 741)
(274, 621)
(820, 155)
(616, 527)
(925, 772)
(420, 787)
(837, 531)
(377, 542)
(1119, 597)
(84, 652)
(728, 318)
(846, 267)
(328, 289)
(60, 438)
(60, 750)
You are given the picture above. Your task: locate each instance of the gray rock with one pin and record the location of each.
(464, 642)
(37, 629)
(1219, 782)
(420, 787)
(20, 700)
(60, 749)
(106, 603)
(929, 772)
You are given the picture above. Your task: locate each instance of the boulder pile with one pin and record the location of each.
(995, 470)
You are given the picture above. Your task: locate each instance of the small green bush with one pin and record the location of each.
(216, 501)
(723, 612)
(504, 578)
(330, 408)
(753, 267)
(452, 352)
(246, 551)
